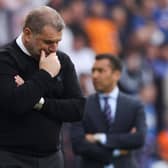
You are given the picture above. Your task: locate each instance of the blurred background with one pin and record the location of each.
(134, 30)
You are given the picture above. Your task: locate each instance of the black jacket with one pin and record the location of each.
(129, 114)
(23, 129)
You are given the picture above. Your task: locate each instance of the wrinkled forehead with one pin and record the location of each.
(50, 33)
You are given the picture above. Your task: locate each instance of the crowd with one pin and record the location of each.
(134, 30)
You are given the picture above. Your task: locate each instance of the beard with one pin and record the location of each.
(34, 52)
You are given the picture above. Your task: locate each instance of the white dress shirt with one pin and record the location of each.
(112, 100)
(21, 45)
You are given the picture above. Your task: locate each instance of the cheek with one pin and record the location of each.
(39, 44)
(36, 49)
(109, 81)
(44, 47)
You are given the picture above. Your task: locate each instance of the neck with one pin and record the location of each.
(24, 41)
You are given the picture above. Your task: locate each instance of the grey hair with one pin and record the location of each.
(42, 16)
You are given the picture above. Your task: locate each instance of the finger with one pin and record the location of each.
(133, 130)
(16, 76)
(42, 56)
(18, 80)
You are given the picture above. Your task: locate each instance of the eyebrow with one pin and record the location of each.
(52, 41)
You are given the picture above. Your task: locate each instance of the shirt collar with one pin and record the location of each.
(21, 45)
(113, 94)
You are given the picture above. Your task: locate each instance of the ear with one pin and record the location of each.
(117, 75)
(27, 33)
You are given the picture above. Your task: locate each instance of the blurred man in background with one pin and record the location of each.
(113, 124)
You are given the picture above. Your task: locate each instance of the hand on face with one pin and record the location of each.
(50, 63)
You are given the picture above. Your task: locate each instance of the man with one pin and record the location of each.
(113, 124)
(39, 91)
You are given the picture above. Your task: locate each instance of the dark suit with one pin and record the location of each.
(129, 114)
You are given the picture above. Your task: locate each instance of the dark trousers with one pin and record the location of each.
(13, 160)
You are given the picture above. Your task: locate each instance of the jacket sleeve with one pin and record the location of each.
(88, 150)
(70, 106)
(20, 100)
(130, 140)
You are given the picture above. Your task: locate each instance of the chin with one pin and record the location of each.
(98, 89)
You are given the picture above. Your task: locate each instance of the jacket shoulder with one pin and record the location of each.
(64, 59)
(92, 96)
(62, 56)
(128, 99)
(5, 53)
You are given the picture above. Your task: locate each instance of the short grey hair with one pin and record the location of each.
(42, 16)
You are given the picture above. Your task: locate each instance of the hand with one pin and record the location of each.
(18, 80)
(90, 138)
(133, 130)
(50, 63)
(123, 152)
(119, 152)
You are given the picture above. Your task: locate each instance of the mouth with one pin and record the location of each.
(96, 83)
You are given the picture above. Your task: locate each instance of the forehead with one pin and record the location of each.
(50, 33)
(103, 63)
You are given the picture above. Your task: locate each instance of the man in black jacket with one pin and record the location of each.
(39, 91)
(113, 124)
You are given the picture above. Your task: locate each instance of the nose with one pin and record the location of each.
(94, 75)
(53, 47)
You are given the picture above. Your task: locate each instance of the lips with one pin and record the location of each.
(96, 83)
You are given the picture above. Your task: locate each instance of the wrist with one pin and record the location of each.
(38, 106)
(50, 73)
(100, 137)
